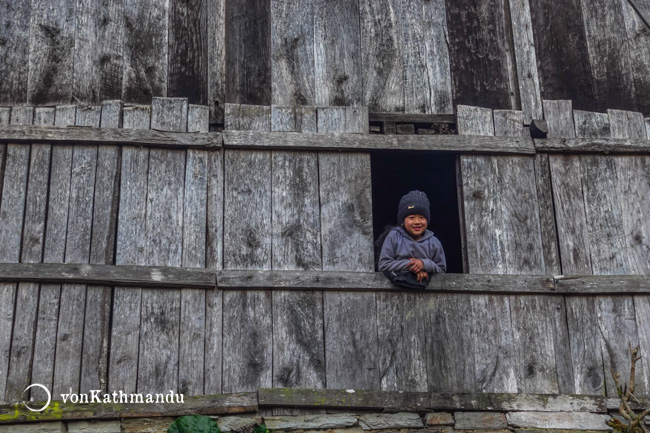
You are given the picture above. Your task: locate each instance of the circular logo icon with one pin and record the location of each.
(47, 391)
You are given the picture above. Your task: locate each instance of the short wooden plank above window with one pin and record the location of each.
(592, 145)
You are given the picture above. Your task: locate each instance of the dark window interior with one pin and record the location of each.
(394, 173)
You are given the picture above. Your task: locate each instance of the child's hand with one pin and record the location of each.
(422, 275)
(415, 265)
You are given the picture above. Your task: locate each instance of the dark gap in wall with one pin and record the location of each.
(394, 173)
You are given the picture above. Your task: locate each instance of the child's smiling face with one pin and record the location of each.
(415, 225)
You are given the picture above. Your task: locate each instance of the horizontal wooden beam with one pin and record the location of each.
(134, 137)
(221, 404)
(592, 145)
(136, 276)
(418, 401)
(603, 284)
(412, 118)
(362, 142)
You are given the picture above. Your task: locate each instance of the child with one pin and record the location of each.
(410, 246)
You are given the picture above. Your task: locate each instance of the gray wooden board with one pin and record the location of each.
(356, 120)
(626, 124)
(65, 115)
(216, 59)
(33, 233)
(193, 302)
(214, 219)
(25, 134)
(5, 114)
(99, 39)
(337, 47)
(145, 74)
(14, 30)
(591, 125)
(425, 53)
(213, 341)
(22, 116)
(639, 50)
(285, 118)
(402, 329)
(508, 123)
(7, 302)
(169, 114)
(44, 116)
(331, 119)
(51, 51)
(358, 142)
(112, 114)
(381, 55)
(642, 310)
(231, 116)
(647, 127)
(526, 60)
(559, 118)
(351, 346)
(346, 212)
(586, 354)
(247, 341)
(136, 117)
(292, 53)
(96, 330)
(450, 354)
(296, 241)
(557, 310)
(198, 118)
(547, 215)
(247, 242)
(88, 116)
(474, 120)
(254, 118)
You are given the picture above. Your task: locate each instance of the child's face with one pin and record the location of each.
(415, 225)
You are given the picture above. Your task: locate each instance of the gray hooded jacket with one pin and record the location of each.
(399, 247)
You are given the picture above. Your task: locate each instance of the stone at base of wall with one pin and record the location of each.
(46, 427)
(94, 427)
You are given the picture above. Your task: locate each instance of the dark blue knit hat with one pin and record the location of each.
(413, 203)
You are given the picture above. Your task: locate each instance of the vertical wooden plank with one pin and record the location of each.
(587, 359)
(231, 119)
(44, 116)
(609, 55)
(22, 116)
(145, 65)
(51, 51)
(337, 53)
(308, 120)
(188, 50)
(247, 341)
(508, 123)
(476, 28)
(12, 210)
(14, 52)
(647, 128)
(98, 44)
(565, 72)
(642, 310)
(548, 228)
(559, 118)
(254, 118)
(198, 118)
(161, 309)
(626, 124)
(125, 329)
(638, 45)
(216, 59)
(381, 55)
(5, 114)
(356, 120)
(474, 120)
(526, 60)
(292, 52)
(285, 118)
(248, 56)
(54, 252)
(89, 115)
(591, 125)
(111, 114)
(425, 53)
(331, 119)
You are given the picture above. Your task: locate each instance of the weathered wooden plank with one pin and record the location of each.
(337, 45)
(647, 127)
(205, 405)
(591, 125)
(247, 244)
(214, 219)
(65, 115)
(216, 59)
(508, 123)
(145, 65)
(368, 399)
(169, 114)
(44, 116)
(586, 355)
(231, 119)
(14, 30)
(547, 222)
(247, 339)
(559, 118)
(198, 118)
(33, 232)
(331, 119)
(254, 118)
(381, 55)
(642, 310)
(188, 50)
(425, 53)
(292, 53)
(213, 340)
(602, 284)
(88, 115)
(626, 124)
(474, 120)
(24, 134)
(308, 120)
(22, 116)
(51, 51)
(98, 44)
(7, 303)
(112, 114)
(476, 28)
(5, 114)
(356, 120)
(638, 47)
(526, 60)
(611, 69)
(248, 55)
(130, 249)
(361, 142)
(403, 353)
(285, 118)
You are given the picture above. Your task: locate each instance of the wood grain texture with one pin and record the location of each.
(591, 125)
(33, 233)
(331, 119)
(638, 45)
(381, 55)
(145, 75)
(337, 53)
(21, 115)
(88, 116)
(5, 114)
(247, 244)
(65, 115)
(559, 118)
(98, 45)
(137, 117)
(586, 355)
(216, 97)
(112, 114)
(610, 66)
(14, 30)
(213, 341)
(647, 127)
(642, 310)
(188, 50)
(547, 222)
(292, 53)
(626, 124)
(248, 55)
(8, 299)
(247, 339)
(474, 29)
(425, 53)
(474, 120)
(526, 60)
(198, 118)
(51, 52)
(508, 123)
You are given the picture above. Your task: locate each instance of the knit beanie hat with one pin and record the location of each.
(413, 203)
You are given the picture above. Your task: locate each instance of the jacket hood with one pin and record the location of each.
(427, 234)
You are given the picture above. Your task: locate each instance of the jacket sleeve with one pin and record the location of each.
(387, 260)
(437, 264)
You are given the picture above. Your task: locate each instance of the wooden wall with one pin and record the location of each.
(413, 56)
